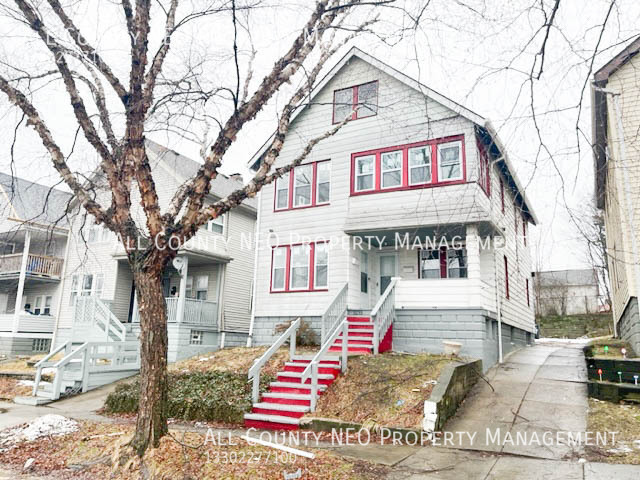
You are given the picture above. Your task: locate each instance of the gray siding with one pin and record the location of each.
(629, 325)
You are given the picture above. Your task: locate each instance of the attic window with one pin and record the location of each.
(362, 100)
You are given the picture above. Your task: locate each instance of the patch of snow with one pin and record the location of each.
(47, 425)
(621, 448)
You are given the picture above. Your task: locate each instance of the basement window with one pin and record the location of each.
(196, 337)
(40, 345)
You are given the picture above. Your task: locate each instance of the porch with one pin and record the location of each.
(195, 312)
(32, 253)
(27, 323)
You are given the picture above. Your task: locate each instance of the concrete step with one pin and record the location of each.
(261, 420)
(33, 401)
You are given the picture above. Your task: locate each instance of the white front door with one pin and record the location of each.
(388, 270)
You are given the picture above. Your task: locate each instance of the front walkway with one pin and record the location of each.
(538, 389)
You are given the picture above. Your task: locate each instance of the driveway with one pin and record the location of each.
(534, 398)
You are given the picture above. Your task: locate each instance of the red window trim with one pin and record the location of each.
(287, 277)
(502, 194)
(506, 278)
(484, 170)
(377, 153)
(354, 115)
(314, 185)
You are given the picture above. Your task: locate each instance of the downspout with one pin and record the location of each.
(498, 304)
(254, 292)
(62, 282)
(627, 195)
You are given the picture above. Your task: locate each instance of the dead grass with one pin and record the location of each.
(614, 351)
(388, 389)
(236, 360)
(86, 455)
(612, 417)
(11, 388)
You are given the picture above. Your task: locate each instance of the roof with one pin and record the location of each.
(35, 203)
(497, 147)
(599, 115)
(568, 278)
(185, 168)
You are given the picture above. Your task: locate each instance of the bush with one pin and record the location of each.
(205, 396)
(305, 335)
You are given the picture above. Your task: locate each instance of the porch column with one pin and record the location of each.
(23, 274)
(473, 265)
(183, 289)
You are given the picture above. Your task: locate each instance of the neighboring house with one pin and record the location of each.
(410, 166)
(33, 239)
(93, 293)
(616, 149)
(566, 292)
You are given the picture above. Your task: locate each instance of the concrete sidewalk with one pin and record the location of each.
(538, 391)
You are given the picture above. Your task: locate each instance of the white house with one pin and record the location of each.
(615, 98)
(567, 292)
(406, 209)
(78, 285)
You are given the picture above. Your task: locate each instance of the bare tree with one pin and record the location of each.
(113, 115)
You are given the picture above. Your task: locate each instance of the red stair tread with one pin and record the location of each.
(269, 425)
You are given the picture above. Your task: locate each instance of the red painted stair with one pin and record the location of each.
(288, 399)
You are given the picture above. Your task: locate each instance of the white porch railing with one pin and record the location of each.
(312, 368)
(28, 323)
(383, 314)
(334, 314)
(254, 371)
(196, 312)
(36, 265)
(93, 319)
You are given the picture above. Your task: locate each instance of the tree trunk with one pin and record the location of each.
(151, 424)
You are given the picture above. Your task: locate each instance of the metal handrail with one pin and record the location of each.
(312, 368)
(254, 371)
(333, 317)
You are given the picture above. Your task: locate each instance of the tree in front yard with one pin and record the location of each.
(115, 104)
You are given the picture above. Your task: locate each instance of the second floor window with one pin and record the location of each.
(359, 101)
(86, 285)
(216, 225)
(306, 185)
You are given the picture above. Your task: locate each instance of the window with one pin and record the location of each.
(416, 165)
(97, 233)
(365, 172)
(419, 165)
(299, 276)
(450, 161)
(484, 177)
(443, 263)
(40, 345)
(526, 287)
(302, 267)
(364, 272)
(391, 169)
(43, 305)
(196, 337)
(308, 186)
(279, 268)
(202, 286)
(323, 182)
(86, 285)
(321, 259)
(502, 195)
(362, 100)
(282, 192)
(302, 178)
(216, 225)
(506, 278)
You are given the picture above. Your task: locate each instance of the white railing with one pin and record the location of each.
(90, 358)
(91, 313)
(334, 314)
(383, 314)
(36, 264)
(28, 323)
(196, 312)
(312, 368)
(254, 371)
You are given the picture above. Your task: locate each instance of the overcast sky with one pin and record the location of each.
(477, 52)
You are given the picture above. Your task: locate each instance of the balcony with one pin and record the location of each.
(38, 266)
(28, 323)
